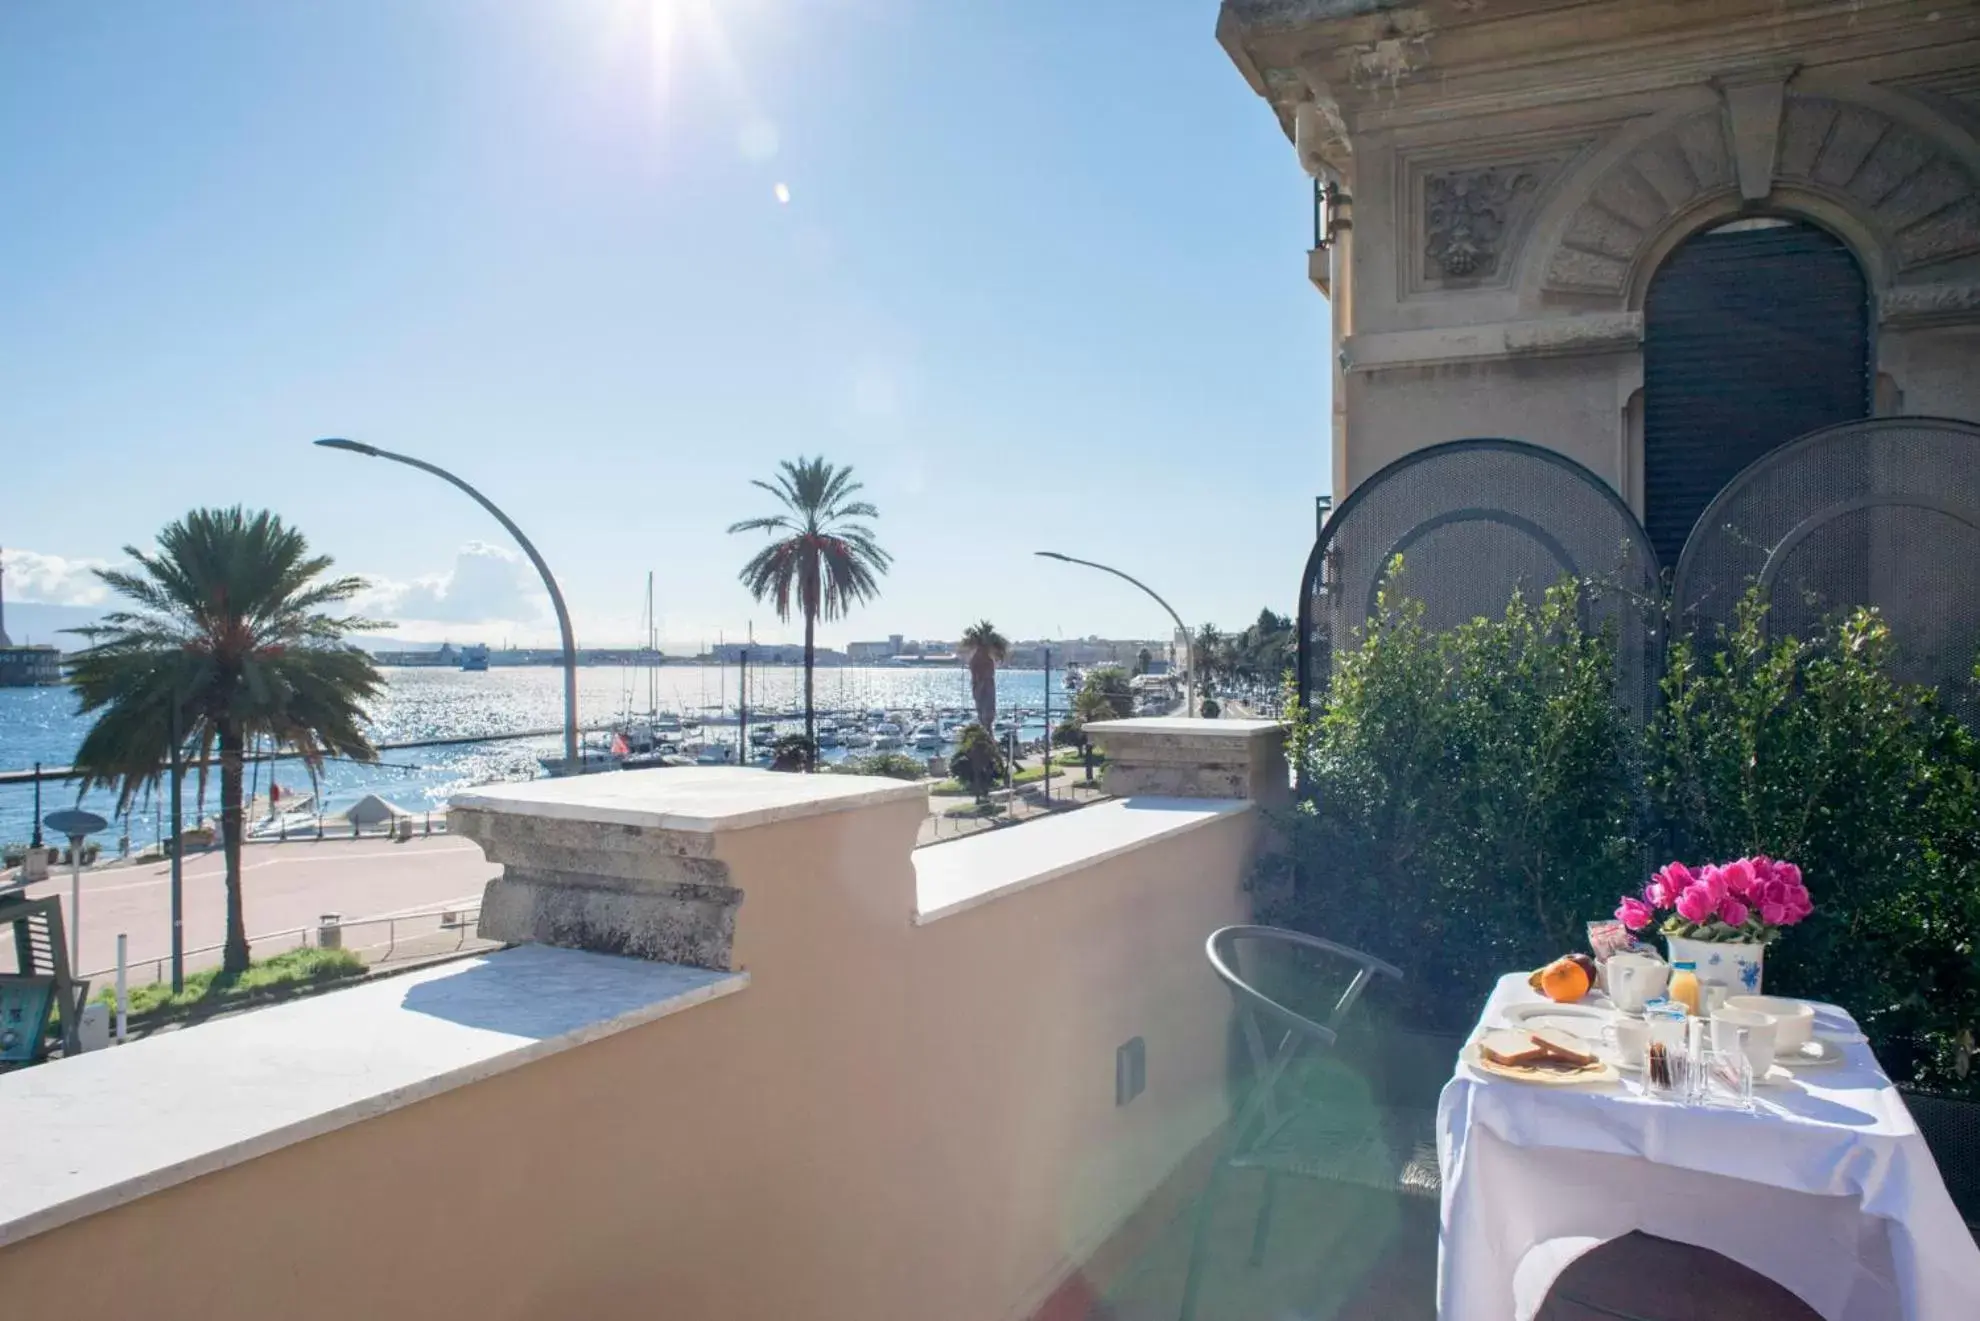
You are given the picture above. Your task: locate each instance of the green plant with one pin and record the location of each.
(1470, 798)
(793, 752)
(1209, 709)
(893, 765)
(824, 560)
(214, 988)
(1808, 749)
(1066, 734)
(983, 650)
(978, 765)
(1104, 695)
(227, 645)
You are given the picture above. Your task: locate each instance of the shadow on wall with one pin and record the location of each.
(541, 993)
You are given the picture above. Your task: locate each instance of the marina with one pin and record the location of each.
(464, 718)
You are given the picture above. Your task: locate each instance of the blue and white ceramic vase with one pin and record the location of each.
(1736, 963)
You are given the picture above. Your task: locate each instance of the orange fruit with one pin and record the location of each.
(1564, 981)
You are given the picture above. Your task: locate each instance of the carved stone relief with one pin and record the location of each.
(1465, 217)
(1920, 201)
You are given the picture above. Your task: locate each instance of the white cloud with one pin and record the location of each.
(53, 579)
(487, 585)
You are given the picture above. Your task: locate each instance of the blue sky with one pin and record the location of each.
(1039, 278)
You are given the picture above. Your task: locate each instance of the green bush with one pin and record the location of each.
(978, 765)
(893, 765)
(1471, 798)
(1809, 750)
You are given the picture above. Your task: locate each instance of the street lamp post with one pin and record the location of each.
(571, 762)
(1189, 645)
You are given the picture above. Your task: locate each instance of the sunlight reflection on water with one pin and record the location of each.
(41, 724)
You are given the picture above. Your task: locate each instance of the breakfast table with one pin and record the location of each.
(1825, 1186)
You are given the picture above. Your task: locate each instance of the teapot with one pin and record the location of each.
(1633, 980)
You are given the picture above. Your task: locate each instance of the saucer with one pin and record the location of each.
(1813, 1054)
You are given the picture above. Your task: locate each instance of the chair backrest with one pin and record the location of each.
(1297, 1031)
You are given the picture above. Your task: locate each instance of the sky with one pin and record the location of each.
(1035, 269)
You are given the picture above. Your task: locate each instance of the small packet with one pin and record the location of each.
(1609, 937)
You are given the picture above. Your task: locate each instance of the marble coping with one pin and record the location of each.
(85, 1134)
(963, 874)
(1193, 727)
(700, 799)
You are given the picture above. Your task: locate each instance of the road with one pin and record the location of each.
(285, 885)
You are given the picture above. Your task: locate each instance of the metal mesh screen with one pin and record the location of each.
(1884, 512)
(1476, 521)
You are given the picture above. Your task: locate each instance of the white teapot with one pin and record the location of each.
(1633, 980)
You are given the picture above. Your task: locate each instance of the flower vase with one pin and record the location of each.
(1737, 963)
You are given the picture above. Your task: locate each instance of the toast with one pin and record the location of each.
(1510, 1048)
(1563, 1047)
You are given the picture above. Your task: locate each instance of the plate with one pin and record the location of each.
(1582, 1020)
(1600, 1072)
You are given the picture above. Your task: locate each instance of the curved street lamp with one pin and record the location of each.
(1189, 645)
(571, 763)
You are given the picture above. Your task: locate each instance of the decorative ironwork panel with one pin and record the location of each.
(1475, 522)
(1883, 512)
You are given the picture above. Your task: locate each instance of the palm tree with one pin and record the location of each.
(984, 649)
(823, 561)
(225, 645)
(1206, 655)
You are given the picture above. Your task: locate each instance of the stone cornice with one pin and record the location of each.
(1563, 336)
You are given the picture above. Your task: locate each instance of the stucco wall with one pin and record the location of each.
(891, 1121)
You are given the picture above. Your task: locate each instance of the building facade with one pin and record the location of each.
(1657, 238)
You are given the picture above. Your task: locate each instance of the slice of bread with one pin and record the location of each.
(1564, 1046)
(1511, 1048)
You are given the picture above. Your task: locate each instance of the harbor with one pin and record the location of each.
(467, 722)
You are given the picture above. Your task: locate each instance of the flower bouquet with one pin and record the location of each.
(1721, 917)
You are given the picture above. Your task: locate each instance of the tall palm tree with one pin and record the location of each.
(225, 644)
(823, 561)
(1207, 657)
(983, 650)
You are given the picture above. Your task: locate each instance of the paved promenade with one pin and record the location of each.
(284, 885)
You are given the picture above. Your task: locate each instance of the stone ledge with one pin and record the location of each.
(1188, 757)
(625, 862)
(687, 798)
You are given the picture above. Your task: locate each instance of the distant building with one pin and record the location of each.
(24, 667)
(874, 651)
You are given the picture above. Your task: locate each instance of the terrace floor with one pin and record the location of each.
(1339, 1253)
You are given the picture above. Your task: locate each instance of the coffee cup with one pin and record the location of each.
(1759, 1030)
(1633, 980)
(1631, 1039)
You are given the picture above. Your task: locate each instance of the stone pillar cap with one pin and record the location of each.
(699, 799)
(1190, 725)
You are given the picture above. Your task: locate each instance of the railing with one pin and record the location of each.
(421, 934)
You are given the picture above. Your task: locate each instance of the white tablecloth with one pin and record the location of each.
(1829, 1189)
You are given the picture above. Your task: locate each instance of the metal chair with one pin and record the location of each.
(1282, 1133)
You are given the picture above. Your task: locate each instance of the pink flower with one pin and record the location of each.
(1787, 873)
(1739, 876)
(1733, 911)
(1697, 903)
(1634, 914)
(1773, 914)
(1667, 885)
(1798, 904)
(1712, 880)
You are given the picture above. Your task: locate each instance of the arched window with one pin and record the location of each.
(1754, 333)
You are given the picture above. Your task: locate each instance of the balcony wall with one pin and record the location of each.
(896, 1099)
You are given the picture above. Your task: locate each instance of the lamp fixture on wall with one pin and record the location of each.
(1332, 213)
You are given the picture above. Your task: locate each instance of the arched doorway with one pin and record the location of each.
(1754, 333)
